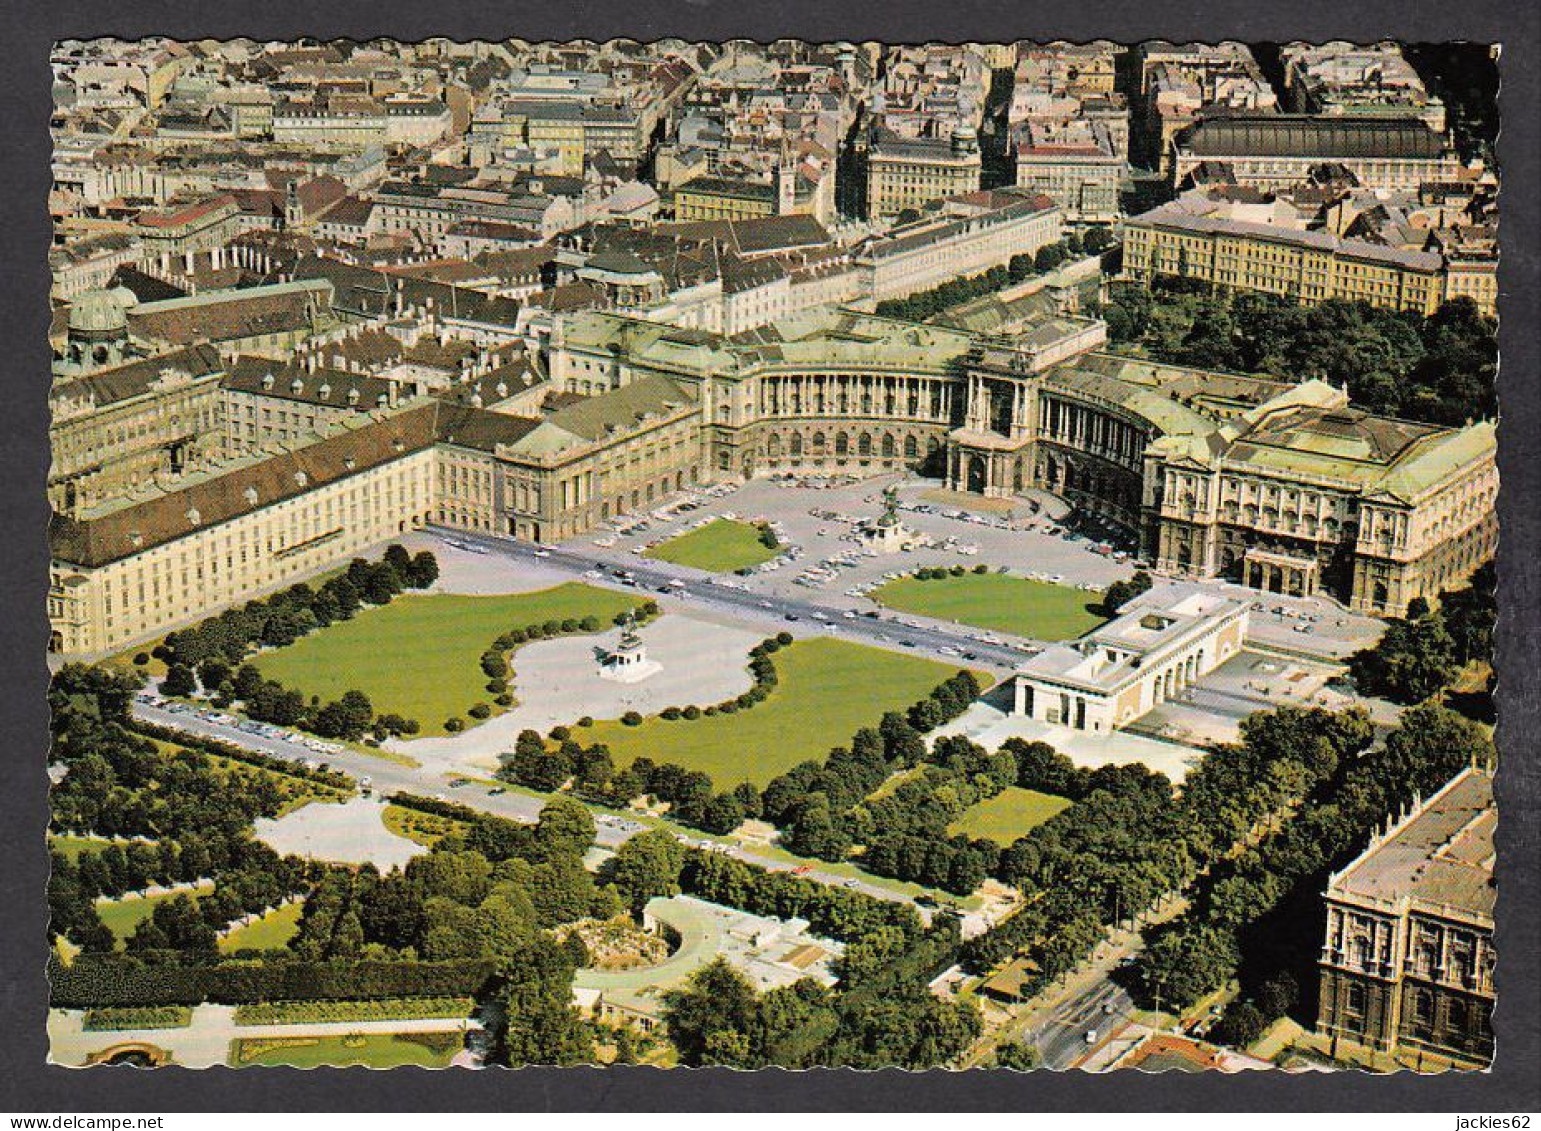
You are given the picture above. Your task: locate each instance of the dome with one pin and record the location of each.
(96, 312)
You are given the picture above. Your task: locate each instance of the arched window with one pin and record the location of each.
(818, 443)
(888, 445)
(842, 444)
(864, 444)
(911, 448)
(797, 443)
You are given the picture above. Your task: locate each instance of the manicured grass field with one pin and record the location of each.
(372, 1050)
(123, 916)
(270, 932)
(419, 656)
(999, 602)
(427, 829)
(70, 847)
(720, 546)
(1012, 813)
(827, 690)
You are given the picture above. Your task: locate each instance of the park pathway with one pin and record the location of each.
(206, 1041)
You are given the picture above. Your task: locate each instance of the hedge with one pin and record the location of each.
(139, 1017)
(99, 980)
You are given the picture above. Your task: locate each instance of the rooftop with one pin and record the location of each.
(1305, 135)
(1439, 855)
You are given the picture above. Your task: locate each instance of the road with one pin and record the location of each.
(1103, 1008)
(709, 594)
(387, 777)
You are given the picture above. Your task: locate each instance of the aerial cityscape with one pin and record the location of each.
(792, 554)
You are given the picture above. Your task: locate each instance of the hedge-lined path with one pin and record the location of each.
(206, 1041)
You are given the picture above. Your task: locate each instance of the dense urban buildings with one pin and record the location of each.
(755, 553)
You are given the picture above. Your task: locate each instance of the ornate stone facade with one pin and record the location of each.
(1407, 962)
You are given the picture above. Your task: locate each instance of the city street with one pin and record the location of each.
(1082, 1024)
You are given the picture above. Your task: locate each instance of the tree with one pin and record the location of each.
(1183, 964)
(1413, 659)
(709, 1021)
(794, 1025)
(179, 681)
(1097, 240)
(424, 570)
(397, 557)
(723, 814)
(1020, 1056)
(565, 829)
(645, 866)
(1241, 1025)
(1048, 257)
(542, 1024)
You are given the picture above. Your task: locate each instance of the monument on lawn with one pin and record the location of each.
(627, 662)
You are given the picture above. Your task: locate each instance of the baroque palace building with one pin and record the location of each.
(266, 477)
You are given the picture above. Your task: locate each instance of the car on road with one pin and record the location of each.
(542, 553)
(853, 883)
(496, 791)
(802, 869)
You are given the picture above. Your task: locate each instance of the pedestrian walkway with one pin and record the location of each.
(206, 1041)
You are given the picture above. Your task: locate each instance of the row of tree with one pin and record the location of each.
(211, 653)
(1258, 914)
(955, 292)
(495, 663)
(287, 615)
(1129, 839)
(803, 802)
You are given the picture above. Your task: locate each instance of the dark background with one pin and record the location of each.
(27, 1084)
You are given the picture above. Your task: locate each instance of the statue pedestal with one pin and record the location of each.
(886, 537)
(628, 662)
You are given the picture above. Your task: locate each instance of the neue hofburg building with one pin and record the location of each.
(1285, 487)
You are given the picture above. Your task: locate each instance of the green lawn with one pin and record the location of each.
(270, 932)
(1012, 813)
(720, 546)
(332, 1012)
(419, 656)
(827, 690)
(999, 602)
(70, 847)
(372, 1050)
(123, 916)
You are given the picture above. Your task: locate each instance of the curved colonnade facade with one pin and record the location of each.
(1283, 487)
